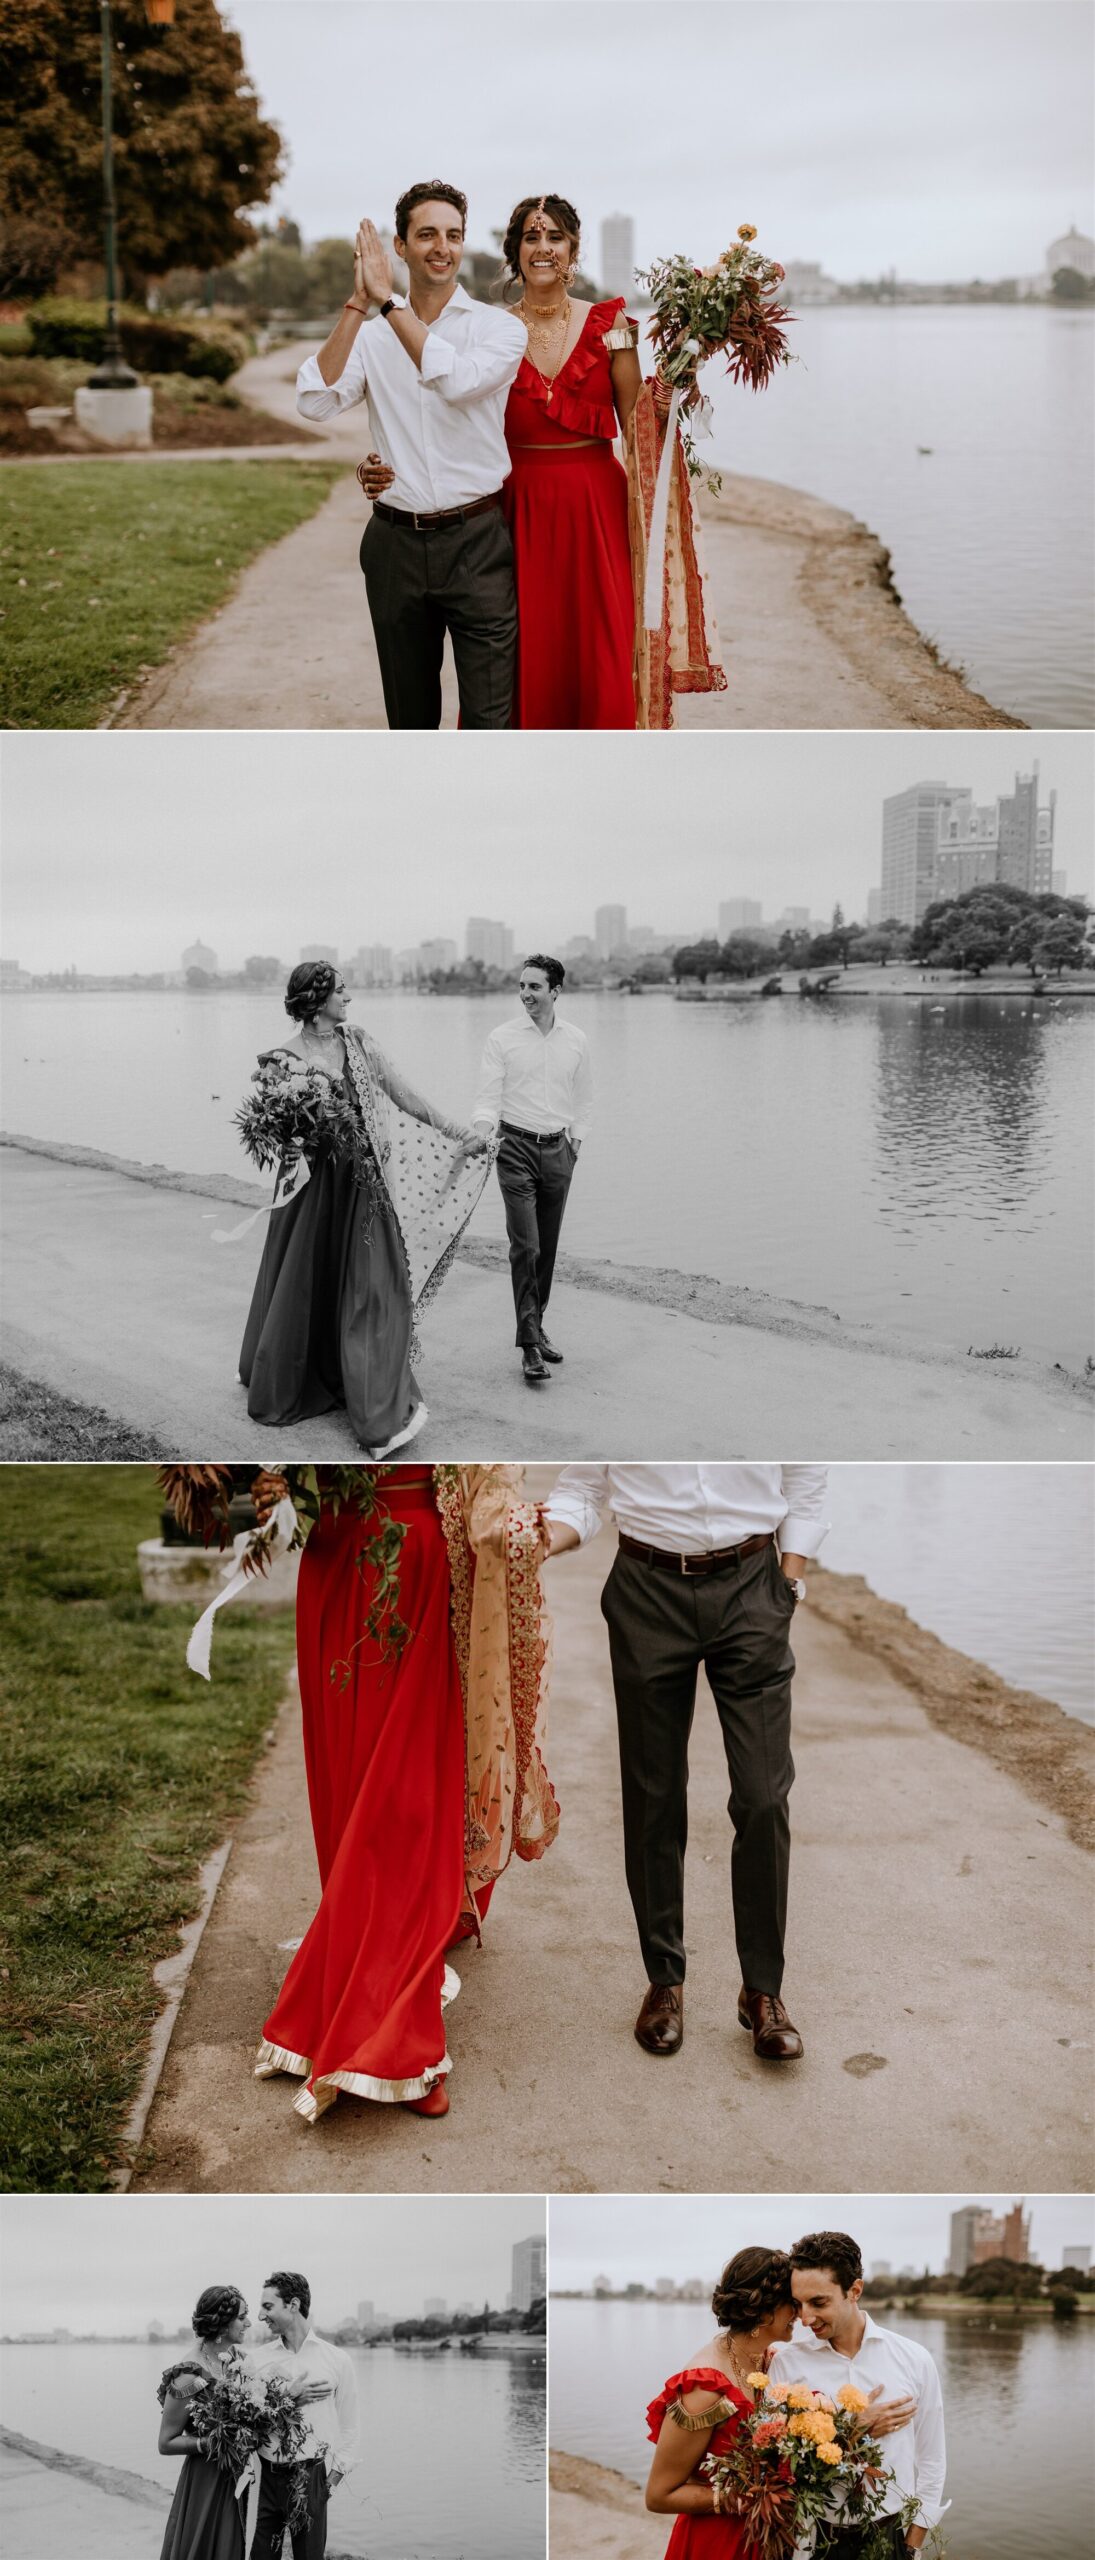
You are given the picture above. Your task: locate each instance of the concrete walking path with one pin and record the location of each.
(92, 2511)
(947, 2043)
(116, 1296)
(814, 635)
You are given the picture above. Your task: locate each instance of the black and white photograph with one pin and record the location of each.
(208, 2378)
(702, 1106)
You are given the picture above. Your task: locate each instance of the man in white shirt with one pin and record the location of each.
(896, 2374)
(708, 1570)
(330, 2406)
(535, 1085)
(435, 373)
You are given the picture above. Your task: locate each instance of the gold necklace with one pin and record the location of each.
(541, 331)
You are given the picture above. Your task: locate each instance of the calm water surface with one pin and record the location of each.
(1019, 2467)
(480, 2495)
(996, 1560)
(990, 531)
(939, 1176)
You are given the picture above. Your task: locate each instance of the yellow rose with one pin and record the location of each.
(828, 2451)
(747, 230)
(852, 2399)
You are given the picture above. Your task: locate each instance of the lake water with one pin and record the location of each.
(478, 2495)
(1019, 2467)
(990, 531)
(995, 1560)
(938, 1174)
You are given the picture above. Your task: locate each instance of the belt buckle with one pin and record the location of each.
(690, 1566)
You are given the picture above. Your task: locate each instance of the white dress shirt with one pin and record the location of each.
(331, 2424)
(917, 2454)
(539, 1080)
(441, 429)
(692, 1511)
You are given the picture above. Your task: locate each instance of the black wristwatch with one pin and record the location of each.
(393, 303)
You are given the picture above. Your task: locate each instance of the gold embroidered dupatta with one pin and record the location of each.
(681, 656)
(502, 1633)
(432, 1186)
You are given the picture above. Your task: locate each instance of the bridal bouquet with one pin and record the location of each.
(242, 2416)
(798, 2461)
(200, 1497)
(730, 307)
(289, 1117)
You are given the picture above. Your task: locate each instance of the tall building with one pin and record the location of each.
(489, 941)
(1025, 851)
(371, 965)
(736, 915)
(366, 2316)
(909, 837)
(1073, 249)
(435, 2308)
(977, 2235)
(320, 951)
(610, 931)
(1078, 2255)
(529, 2272)
(438, 954)
(618, 254)
(199, 956)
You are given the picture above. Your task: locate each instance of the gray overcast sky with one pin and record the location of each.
(947, 138)
(117, 852)
(114, 2263)
(635, 2239)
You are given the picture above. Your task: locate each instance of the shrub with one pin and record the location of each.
(151, 340)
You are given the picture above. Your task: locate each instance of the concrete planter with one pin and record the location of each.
(115, 417)
(190, 1577)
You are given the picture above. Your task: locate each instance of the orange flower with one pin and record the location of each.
(800, 2396)
(747, 230)
(852, 2399)
(829, 2452)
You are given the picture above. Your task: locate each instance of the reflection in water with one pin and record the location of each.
(1017, 2400)
(939, 1177)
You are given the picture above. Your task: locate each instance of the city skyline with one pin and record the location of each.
(326, 840)
(848, 159)
(81, 2262)
(639, 2239)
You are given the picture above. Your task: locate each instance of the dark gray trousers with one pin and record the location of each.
(534, 1180)
(456, 579)
(661, 1627)
(310, 2542)
(832, 2545)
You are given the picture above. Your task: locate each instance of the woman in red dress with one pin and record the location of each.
(425, 1764)
(566, 496)
(700, 2408)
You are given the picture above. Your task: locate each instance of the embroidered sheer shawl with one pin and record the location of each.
(433, 1188)
(502, 1632)
(682, 656)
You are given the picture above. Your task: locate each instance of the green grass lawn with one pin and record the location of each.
(36, 1422)
(119, 1773)
(105, 565)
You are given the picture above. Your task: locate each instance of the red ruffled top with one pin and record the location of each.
(699, 2377)
(578, 402)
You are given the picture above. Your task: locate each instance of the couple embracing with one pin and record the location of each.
(265, 2431)
(500, 514)
(423, 1658)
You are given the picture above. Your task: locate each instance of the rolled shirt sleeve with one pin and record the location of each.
(466, 374)
(488, 1100)
(580, 1497)
(804, 1526)
(347, 2451)
(582, 1113)
(319, 399)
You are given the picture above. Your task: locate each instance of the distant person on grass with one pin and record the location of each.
(434, 370)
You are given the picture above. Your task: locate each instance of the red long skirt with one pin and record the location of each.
(567, 511)
(361, 2005)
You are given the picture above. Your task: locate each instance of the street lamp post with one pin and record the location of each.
(113, 405)
(113, 373)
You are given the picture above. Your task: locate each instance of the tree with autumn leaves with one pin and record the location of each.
(191, 149)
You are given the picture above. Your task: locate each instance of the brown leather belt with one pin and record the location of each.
(696, 1565)
(445, 515)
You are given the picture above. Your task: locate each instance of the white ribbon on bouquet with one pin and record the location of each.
(280, 1529)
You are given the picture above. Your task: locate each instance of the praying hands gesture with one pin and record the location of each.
(373, 278)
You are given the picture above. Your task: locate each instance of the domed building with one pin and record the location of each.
(1073, 250)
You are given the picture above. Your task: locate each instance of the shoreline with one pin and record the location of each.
(721, 1303)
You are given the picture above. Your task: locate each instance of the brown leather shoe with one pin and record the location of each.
(659, 2027)
(774, 2037)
